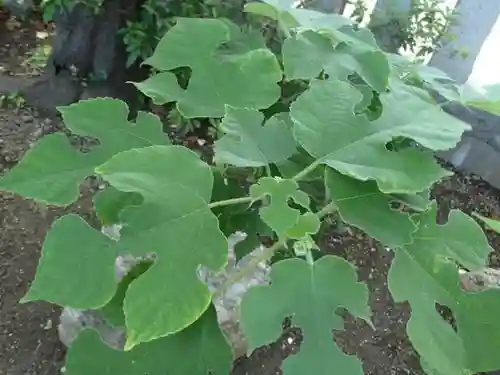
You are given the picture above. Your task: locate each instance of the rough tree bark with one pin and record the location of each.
(88, 46)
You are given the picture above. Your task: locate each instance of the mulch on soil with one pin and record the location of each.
(28, 333)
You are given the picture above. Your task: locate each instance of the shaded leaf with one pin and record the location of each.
(248, 222)
(362, 205)
(250, 143)
(425, 273)
(52, 171)
(202, 342)
(113, 311)
(109, 202)
(492, 224)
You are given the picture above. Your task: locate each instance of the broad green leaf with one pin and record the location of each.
(162, 88)
(77, 266)
(492, 224)
(254, 73)
(173, 52)
(200, 349)
(113, 310)
(151, 169)
(360, 38)
(298, 162)
(305, 54)
(420, 120)
(425, 273)
(51, 171)
(307, 225)
(248, 222)
(418, 202)
(328, 129)
(278, 214)
(308, 294)
(278, 10)
(438, 81)
(308, 53)
(241, 40)
(176, 224)
(229, 187)
(362, 205)
(285, 12)
(486, 98)
(109, 202)
(250, 143)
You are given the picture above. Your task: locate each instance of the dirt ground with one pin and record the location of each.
(28, 333)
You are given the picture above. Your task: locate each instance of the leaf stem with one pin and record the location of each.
(265, 255)
(311, 167)
(229, 202)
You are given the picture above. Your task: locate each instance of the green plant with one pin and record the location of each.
(14, 99)
(420, 31)
(49, 7)
(342, 140)
(37, 59)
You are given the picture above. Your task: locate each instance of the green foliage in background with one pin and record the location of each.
(358, 136)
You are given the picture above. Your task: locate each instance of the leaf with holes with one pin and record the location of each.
(307, 54)
(362, 205)
(250, 143)
(52, 171)
(254, 72)
(306, 292)
(203, 340)
(174, 222)
(425, 273)
(327, 128)
(109, 202)
(278, 214)
(287, 13)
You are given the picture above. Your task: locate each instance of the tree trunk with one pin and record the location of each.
(88, 47)
(386, 23)
(474, 45)
(327, 6)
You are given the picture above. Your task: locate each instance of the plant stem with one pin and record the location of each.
(229, 202)
(265, 255)
(311, 167)
(328, 209)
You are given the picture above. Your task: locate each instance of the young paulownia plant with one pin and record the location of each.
(356, 141)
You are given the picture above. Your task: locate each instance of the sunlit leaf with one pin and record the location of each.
(425, 273)
(202, 341)
(51, 171)
(248, 142)
(306, 293)
(328, 129)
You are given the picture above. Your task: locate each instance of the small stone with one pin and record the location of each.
(27, 118)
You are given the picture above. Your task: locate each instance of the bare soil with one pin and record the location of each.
(28, 332)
